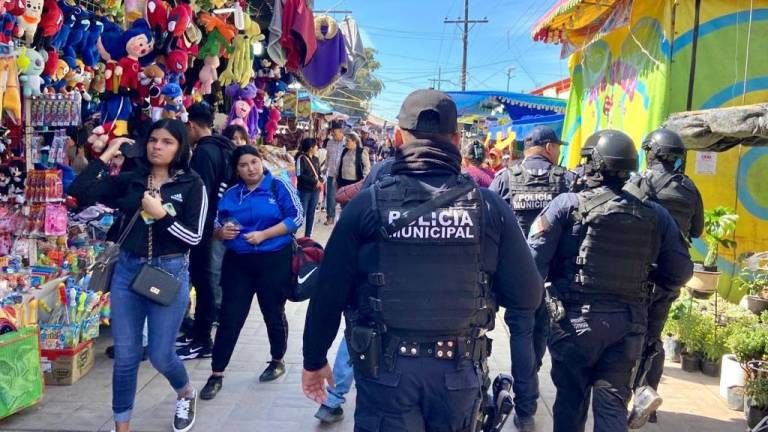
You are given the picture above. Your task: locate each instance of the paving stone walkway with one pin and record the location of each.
(691, 402)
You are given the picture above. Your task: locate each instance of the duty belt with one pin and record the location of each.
(474, 349)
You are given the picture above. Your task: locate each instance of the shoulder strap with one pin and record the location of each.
(127, 229)
(444, 198)
(311, 165)
(591, 203)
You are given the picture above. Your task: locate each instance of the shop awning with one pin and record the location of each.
(517, 105)
(722, 128)
(576, 20)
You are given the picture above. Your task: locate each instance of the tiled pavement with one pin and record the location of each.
(691, 400)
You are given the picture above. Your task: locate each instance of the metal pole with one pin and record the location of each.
(465, 39)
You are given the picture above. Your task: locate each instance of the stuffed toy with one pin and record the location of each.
(252, 29)
(98, 83)
(268, 70)
(132, 10)
(208, 74)
(240, 67)
(215, 45)
(174, 103)
(138, 43)
(31, 64)
(177, 63)
(213, 22)
(272, 124)
(29, 21)
(49, 69)
(8, 27)
(18, 174)
(15, 7)
(111, 48)
(58, 80)
(190, 41)
(71, 15)
(77, 36)
(51, 21)
(5, 183)
(152, 83)
(90, 53)
(75, 77)
(179, 18)
(244, 112)
(156, 13)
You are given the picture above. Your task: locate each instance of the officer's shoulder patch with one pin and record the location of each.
(539, 226)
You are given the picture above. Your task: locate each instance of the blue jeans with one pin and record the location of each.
(524, 360)
(129, 311)
(343, 376)
(309, 204)
(330, 197)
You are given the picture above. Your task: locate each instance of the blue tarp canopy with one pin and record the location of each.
(318, 105)
(525, 110)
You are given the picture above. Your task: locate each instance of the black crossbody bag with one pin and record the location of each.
(153, 282)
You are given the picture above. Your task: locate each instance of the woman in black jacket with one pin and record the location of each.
(354, 164)
(309, 181)
(169, 204)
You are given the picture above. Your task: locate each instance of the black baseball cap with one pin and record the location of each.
(541, 135)
(430, 111)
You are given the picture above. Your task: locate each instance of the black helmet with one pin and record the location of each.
(664, 144)
(614, 152)
(586, 149)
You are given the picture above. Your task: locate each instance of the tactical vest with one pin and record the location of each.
(675, 192)
(531, 191)
(619, 245)
(429, 280)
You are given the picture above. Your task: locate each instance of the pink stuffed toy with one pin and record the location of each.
(240, 111)
(208, 74)
(272, 124)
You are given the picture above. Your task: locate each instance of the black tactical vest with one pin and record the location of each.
(619, 245)
(675, 192)
(430, 280)
(530, 191)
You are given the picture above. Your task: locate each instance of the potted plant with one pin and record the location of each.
(753, 279)
(756, 400)
(714, 346)
(691, 336)
(719, 226)
(673, 347)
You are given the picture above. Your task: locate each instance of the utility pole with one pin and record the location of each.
(439, 79)
(466, 22)
(509, 76)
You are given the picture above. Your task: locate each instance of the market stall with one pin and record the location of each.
(81, 73)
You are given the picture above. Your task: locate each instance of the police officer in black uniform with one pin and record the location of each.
(419, 294)
(664, 183)
(579, 173)
(598, 249)
(528, 187)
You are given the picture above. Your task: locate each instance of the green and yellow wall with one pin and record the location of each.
(632, 78)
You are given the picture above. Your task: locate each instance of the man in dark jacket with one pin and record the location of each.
(211, 160)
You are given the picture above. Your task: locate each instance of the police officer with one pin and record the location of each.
(579, 173)
(597, 248)
(664, 183)
(417, 263)
(528, 187)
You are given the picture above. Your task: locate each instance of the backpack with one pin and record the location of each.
(305, 264)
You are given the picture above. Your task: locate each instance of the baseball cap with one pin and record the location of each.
(541, 135)
(430, 111)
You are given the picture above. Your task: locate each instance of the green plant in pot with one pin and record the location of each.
(715, 346)
(756, 402)
(692, 335)
(719, 226)
(673, 347)
(753, 280)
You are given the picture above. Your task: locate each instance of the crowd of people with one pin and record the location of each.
(436, 232)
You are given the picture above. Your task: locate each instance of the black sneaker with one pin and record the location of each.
(185, 413)
(183, 340)
(329, 415)
(212, 387)
(275, 370)
(195, 350)
(652, 418)
(110, 352)
(524, 424)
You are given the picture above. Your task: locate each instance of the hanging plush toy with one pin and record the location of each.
(8, 25)
(272, 124)
(179, 18)
(240, 67)
(243, 112)
(90, 53)
(156, 12)
(76, 36)
(111, 48)
(152, 80)
(31, 64)
(208, 74)
(51, 22)
(174, 103)
(49, 70)
(215, 45)
(29, 21)
(70, 16)
(138, 43)
(176, 62)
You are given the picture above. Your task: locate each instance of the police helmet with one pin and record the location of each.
(664, 144)
(586, 149)
(614, 152)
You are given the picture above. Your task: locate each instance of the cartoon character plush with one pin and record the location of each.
(138, 43)
(5, 183)
(90, 52)
(31, 64)
(76, 36)
(272, 124)
(208, 74)
(174, 103)
(70, 16)
(15, 7)
(8, 26)
(111, 48)
(58, 80)
(51, 21)
(29, 21)
(177, 63)
(157, 16)
(18, 175)
(179, 18)
(152, 80)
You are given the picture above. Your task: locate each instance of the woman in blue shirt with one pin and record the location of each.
(256, 220)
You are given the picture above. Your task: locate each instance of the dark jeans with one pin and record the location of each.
(309, 204)
(267, 275)
(330, 197)
(593, 355)
(658, 312)
(205, 275)
(525, 359)
(129, 312)
(420, 394)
